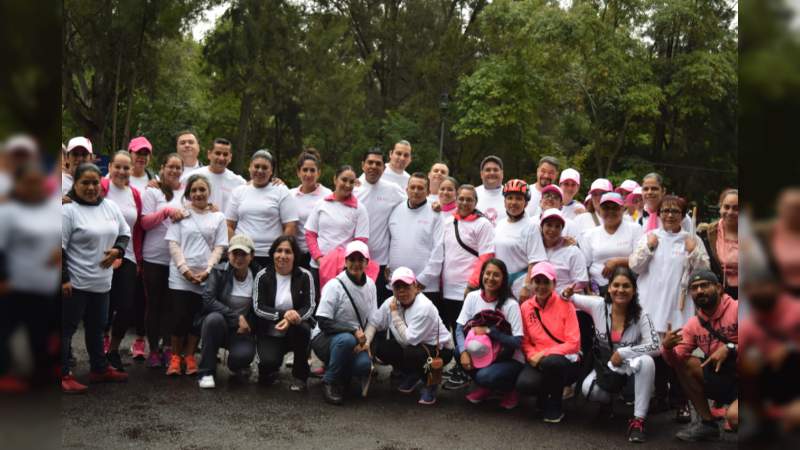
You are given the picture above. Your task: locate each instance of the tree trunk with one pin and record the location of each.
(131, 87)
(245, 111)
(115, 103)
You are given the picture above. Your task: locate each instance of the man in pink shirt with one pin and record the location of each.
(714, 330)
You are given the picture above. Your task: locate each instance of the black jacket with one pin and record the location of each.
(217, 292)
(264, 286)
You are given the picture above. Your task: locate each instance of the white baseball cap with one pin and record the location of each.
(356, 247)
(601, 184)
(403, 274)
(628, 185)
(552, 212)
(612, 197)
(570, 174)
(79, 142)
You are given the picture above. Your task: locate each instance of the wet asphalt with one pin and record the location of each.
(152, 410)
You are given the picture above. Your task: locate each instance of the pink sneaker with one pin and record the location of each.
(510, 400)
(478, 395)
(166, 356)
(106, 343)
(138, 349)
(154, 360)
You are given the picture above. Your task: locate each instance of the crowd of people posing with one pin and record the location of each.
(511, 289)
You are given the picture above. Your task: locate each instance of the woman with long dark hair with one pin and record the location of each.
(625, 337)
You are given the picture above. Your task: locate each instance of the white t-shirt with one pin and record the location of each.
(305, 204)
(6, 183)
(336, 224)
(379, 199)
(29, 237)
(491, 203)
(188, 170)
(127, 205)
(140, 183)
(400, 179)
(518, 244)
(570, 228)
(66, 183)
(432, 198)
(416, 243)
(243, 288)
(197, 236)
(458, 262)
(533, 208)
(86, 233)
(422, 320)
(283, 292)
(222, 185)
(334, 303)
(260, 213)
(569, 210)
(474, 303)
(154, 249)
(598, 247)
(570, 265)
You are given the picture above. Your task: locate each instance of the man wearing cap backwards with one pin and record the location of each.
(570, 183)
(79, 151)
(141, 150)
(380, 197)
(346, 304)
(416, 333)
(546, 174)
(223, 180)
(490, 194)
(714, 330)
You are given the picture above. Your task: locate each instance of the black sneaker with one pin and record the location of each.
(700, 431)
(457, 380)
(636, 430)
(553, 413)
(332, 393)
(115, 361)
(683, 414)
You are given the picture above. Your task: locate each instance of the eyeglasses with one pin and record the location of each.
(668, 211)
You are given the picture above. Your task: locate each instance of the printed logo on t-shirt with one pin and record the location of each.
(491, 214)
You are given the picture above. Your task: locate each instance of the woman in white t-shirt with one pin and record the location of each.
(446, 201)
(335, 221)
(161, 206)
(117, 189)
(568, 260)
(195, 246)
(307, 195)
(608, 246)
(94, 234)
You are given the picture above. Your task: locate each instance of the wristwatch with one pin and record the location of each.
(731, 346)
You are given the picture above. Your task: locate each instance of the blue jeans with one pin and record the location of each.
(500, 376)
(92, 307)
(342, 364)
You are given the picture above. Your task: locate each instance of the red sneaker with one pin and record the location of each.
(510, 400)
(191, 365)
(12, 385)
(478, 395)
(111, 375)
(69, 385)
(138, 349)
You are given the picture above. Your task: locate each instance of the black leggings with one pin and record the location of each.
(123, 289)
(667, 385)
(449, 310)
(409, 360)
(158, 312)
(185, 305)
(272, 349)
(41, 317)
(549, 378)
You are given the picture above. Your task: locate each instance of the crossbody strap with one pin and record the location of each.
(360, 322)
(720, 337)
(538, 316)
(461, 243)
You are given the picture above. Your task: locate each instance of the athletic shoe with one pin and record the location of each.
(699, 431)
(166, 356)
(191, 364)
(683, 414)
(174, 367)
(69, 385)
(288, 360)
(106, 343)
(332, 393)
(10, 384)
(365, 381)
(510, 400)
(552, 410)
(636, 430)
(298, 385)
(154, 360)
(478, 395)
(206, 382)
(719, 413)
(409, 383)
(427, 395)
(111, 375)
(138, 349)
(115, 360)
(319, 372)
(457, 380)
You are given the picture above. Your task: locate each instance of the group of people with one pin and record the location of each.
(521, 289)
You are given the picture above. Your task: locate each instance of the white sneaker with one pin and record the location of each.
(207, 382)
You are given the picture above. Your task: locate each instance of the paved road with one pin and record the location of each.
(154, 411)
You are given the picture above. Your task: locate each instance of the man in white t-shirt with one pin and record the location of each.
(223, 181)
(490, 194)
(399, 159)
(570, 184)
(188, 147)
(380, 197)
(546, 174)
(79, 151)
(439, 171)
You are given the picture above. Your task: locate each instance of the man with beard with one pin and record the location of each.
(546, 174)
(714, 330)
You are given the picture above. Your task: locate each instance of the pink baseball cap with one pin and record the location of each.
(570, 174)
(612, 197)
(138, 144)
(480, 348)
(629, 198)
(403, 274)
(601, 184)
(552, 212)
(637, 191)
(356, 247)
(627, 186)
(544, 268)
(79, 142)
(553, 188)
